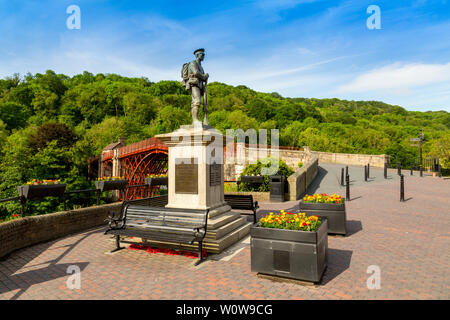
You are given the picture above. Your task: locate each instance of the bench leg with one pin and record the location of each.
(118, 247)
(200, 254)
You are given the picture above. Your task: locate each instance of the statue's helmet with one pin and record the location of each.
(199, 50)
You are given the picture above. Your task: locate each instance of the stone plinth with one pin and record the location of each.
(196, 181)
(195, 167)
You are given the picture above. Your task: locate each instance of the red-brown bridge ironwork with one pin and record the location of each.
(136, 161)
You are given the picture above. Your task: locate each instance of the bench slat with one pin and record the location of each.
(142, 214)
(154, 235)
(146, 210)
(167, 219)
(190, 226)
(163, 228)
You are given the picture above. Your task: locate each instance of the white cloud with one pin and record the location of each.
(398, 78)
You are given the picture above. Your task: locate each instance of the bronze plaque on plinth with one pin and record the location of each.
(215, 174)
(186, 176)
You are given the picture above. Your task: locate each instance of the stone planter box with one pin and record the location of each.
(334, 212)
(31, 191)
(294, 254)
(164, 181)
(108, 185)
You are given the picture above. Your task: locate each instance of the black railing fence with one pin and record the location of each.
(428, 165)
(75, 199)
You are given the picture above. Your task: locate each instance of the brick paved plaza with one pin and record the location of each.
(409, 241)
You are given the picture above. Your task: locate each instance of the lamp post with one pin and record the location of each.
(420, 140)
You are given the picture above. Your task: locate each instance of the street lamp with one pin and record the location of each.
(422, 138)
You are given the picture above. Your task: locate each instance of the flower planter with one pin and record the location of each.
(294, 254)
(162, 181)
(32, 191)
(334, 212)
(252, 179)
(107, 185)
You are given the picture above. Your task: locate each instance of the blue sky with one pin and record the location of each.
(298, 48)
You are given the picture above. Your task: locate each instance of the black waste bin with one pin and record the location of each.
(277, 187)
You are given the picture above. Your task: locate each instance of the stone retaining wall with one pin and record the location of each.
(302, 178)
(246, 155)
(351, 159)
(27, 231)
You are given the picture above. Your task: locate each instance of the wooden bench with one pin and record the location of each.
(242, 202)
(159, 223)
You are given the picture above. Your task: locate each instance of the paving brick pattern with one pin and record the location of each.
(409, 241)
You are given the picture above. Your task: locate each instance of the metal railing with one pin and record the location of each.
(87, 202)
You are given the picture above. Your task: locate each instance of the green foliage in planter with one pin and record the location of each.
(300, 164)
(230, 187)
(254, 169)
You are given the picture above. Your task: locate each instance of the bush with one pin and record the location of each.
(300, 164)
(254, 169)
(230, 187)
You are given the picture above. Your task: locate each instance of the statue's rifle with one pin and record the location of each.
(205, 103)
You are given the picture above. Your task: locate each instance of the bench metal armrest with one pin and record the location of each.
(206, 222)
(116, 222)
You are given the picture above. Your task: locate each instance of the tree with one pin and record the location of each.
(142, 108)
(440, 148)
(167, 87)
(14, 115)
(45, 102)
(102, 134)
(170, 119)
(239, 120)
(61, 134)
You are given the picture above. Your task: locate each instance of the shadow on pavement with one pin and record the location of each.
(353, 226)
(24, 280)
(338, 262)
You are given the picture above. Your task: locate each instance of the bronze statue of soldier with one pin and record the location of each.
(195, 79)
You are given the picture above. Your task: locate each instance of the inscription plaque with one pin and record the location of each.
(215, 174)
(186, 176)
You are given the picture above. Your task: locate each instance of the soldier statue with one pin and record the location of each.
(195, 79)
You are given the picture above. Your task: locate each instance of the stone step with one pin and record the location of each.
(221, 220)
(223, 230)
(217, 246)
(219, 210)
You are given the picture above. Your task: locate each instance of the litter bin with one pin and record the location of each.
(277, 186)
